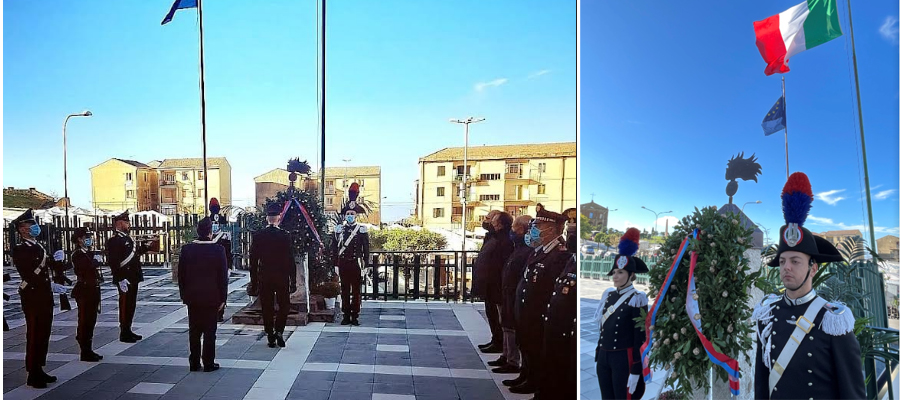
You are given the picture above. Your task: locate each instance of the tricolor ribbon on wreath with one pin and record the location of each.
(306, 217)
(693, 309)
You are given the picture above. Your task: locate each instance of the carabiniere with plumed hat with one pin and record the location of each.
(805, 344)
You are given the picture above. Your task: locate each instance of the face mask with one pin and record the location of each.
(35, 230)
(351, 219)
(215, 228)
(88, 242)
(487, 225)
(533, 237)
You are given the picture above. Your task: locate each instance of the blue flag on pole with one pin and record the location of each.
(178, 5)
(776, 119)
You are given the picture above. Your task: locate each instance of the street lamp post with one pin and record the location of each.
(750, 202)
(465, 182)
(85, 113)
(655, 221)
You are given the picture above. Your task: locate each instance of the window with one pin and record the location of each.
(542, 167)
(490, 177)
(542, 189)
(489, 197)
(459, 170)
(199, 192)
(442, 170)
(362, 183)
(186, 193)
(184, 176)
(330, 200)
(128, 176)
(457, 210)
(440, 191)
(129, 194)
(438, 213)
(200, 175)
(145, 177)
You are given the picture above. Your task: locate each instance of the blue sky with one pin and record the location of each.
(670, 92)
(396, 70)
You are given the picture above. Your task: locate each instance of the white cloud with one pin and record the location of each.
(884, 194)
(480, 86)
(827, 196)
(889, 29)
(829, 223)
(538, 73)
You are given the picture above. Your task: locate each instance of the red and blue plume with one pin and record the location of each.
(796, 199)
(353, 191)
(630, 242)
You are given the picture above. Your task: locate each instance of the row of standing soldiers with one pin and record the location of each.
(43, 274)
(526, 272)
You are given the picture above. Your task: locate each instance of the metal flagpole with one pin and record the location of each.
(203, 110)
(862, 134)
(322, 116)
(784, 108)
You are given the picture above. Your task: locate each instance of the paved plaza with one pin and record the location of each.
(402, 350)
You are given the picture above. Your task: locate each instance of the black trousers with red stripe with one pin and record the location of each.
(613, 369)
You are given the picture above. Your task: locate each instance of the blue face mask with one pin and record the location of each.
(351, 219)
(533, 237)
(88, 242)
(215, 228)
(35, 230)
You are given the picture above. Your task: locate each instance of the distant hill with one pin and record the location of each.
(26, 198)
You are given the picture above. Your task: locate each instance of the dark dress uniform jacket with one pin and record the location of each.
(823, 367)
(203, 274)
(489, 266)
(86, 269)
(560, 347)
(512, 276)
(271, 258)
(357, 248)
(620, 332)
(541, 271)
(119, 247)
(27, 257)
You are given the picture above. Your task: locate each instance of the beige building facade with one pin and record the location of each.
(511, 178)
(183, 185)
(118, 184)
(337, 182)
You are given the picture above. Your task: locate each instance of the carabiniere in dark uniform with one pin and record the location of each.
(125, 264)
(349, 245)
(544, 265)
(618, 353)
(560, 341)
(806, 348)
(33, 264)
(86, 292)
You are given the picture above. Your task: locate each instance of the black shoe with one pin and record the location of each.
(36, 382)
(211, 368)
(279, 338)
(514, 382)
(524, 388)
(127, 339)
(91, 357)
(354, 321)
(495, 349)
(498, 362)
(506, 369)
(47, 378)
(345, 320)
(271, 339)
(486, 345)
(195, 367)
(135, 336)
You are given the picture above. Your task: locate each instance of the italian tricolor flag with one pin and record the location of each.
(801, 27)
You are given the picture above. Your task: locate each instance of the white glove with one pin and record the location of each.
(57, 288)
(123, 285)
(59, 255)
(98, 257)
(632, 383)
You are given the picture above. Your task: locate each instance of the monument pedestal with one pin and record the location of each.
(251, 314)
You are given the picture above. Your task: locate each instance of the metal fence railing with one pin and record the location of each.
(426, 275)
(597, 267)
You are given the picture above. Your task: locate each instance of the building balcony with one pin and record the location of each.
(167, 182)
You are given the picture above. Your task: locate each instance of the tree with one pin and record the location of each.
(406, 240)
(586, 227)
